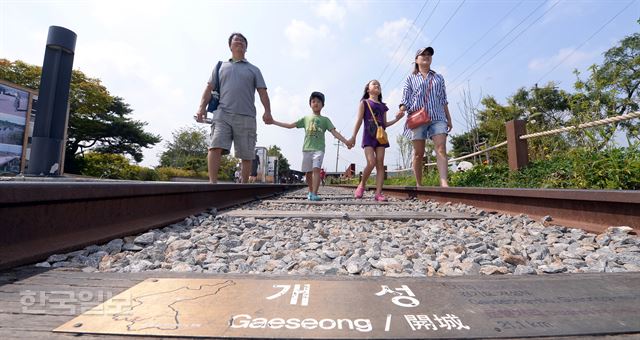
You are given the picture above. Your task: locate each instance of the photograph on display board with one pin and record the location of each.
(13, 110)
(13, 101)
(30, 126)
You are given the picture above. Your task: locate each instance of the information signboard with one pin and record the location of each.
(15, 118)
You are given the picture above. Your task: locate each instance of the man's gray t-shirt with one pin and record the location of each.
(238, 83)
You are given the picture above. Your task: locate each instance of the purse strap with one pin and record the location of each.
(372, 115)
(426, 95)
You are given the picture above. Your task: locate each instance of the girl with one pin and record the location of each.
(371, 107)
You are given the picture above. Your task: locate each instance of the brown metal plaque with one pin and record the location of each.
(378, 308)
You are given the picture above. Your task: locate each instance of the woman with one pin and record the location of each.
(425, 88)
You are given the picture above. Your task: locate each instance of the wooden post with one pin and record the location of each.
(517, 148)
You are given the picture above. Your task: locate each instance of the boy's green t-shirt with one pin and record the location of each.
(314, 128)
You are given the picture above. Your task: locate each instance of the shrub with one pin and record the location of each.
(617, 168)
(105, 165)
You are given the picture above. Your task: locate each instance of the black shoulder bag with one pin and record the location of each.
(215, 94)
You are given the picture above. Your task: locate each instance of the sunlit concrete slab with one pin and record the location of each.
(330, 200)
(354, 215)
(329, 197)
(371, 308)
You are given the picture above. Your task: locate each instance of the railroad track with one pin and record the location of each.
(271, 231)
(43, 218)
(40, 219)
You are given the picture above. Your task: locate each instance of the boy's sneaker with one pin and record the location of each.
(380, 198)
(315, 197)
(359, 192)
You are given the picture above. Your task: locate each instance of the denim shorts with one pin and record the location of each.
(437, 127)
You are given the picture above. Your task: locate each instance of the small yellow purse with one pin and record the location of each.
(381, 135)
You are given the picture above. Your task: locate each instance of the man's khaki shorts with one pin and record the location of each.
(239, 129)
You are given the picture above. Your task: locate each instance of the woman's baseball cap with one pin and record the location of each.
(425, 50)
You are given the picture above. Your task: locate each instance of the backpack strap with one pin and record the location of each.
(216, 85)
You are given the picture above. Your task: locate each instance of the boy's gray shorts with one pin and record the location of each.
(239, 129)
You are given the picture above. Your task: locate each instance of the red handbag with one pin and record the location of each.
(420, 117)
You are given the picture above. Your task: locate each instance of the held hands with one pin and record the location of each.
(400, 114)
(350, 142)
(267, 118)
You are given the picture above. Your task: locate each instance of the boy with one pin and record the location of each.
(313, 148)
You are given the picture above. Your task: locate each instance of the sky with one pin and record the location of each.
(158, 55)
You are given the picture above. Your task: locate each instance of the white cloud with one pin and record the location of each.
(122, 58)
(117, 14)
(302, 37)
(356, 5)
(391, 34)
(286, 106)
(573, 59)
(331, 11)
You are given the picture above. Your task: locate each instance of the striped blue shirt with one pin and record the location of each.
(414, 95)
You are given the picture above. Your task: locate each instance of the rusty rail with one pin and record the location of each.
(591, 210)
(40, 219)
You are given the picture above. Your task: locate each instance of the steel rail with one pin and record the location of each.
(590, 210)
(40, 219)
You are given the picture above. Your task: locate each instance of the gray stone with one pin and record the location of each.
(131, 247)
(181, 267)
(140, 266)
(553, 268)
(493, 270)
(114, 246)
(470, 268)
(146, 238)
(57, 258)
(179, 245)
(524, 270)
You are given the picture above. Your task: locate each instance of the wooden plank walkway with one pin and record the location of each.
(351, 215)
(25, 315)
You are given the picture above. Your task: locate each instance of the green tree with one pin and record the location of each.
(491, 122)
(544, 108)
(283, 163)
(187, 150)
(610, 90)
(97, 120)
(463, 144)
(405, 146)
(228, 167)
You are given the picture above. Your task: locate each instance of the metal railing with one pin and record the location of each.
(595, 123)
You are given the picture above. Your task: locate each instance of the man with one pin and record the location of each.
(235, 119)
